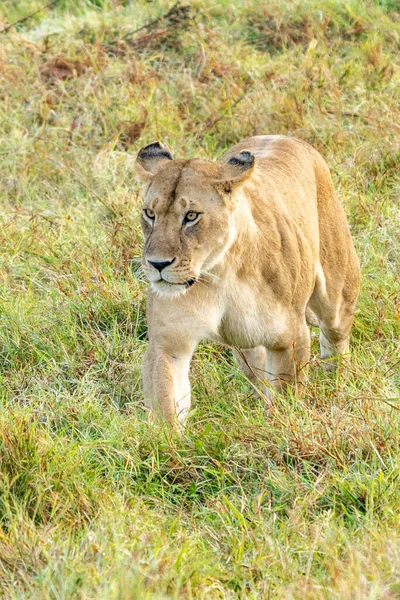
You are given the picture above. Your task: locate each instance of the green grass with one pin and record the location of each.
(302, 501)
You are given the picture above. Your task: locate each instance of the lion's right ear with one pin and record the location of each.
(150, 159)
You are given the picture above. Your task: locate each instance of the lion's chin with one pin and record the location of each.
(163, 288)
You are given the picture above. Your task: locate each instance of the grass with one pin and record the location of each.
(299, 502)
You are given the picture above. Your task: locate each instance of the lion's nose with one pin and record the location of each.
(160, 265)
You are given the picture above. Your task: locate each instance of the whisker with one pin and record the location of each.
(210, 275)
(140, 273)
(201, 281)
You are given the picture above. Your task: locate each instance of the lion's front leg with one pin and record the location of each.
(287, 367)
(253, 364)
(166, 384)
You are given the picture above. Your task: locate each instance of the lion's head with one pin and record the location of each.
(187, 215)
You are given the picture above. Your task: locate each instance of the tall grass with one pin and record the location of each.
(300, 501)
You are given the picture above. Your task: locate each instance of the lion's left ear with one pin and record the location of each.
(150, 159)
(236, 171)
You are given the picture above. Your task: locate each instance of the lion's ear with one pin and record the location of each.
(150, 159)
(236, 171)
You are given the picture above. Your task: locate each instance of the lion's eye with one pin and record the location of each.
(191, 216)
(149, 213)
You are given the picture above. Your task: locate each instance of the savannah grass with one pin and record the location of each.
(298, 501)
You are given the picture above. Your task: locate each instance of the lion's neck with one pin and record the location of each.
(244, 235)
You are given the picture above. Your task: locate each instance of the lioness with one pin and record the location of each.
(237, 252)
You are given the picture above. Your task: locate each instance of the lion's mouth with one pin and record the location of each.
(188, 283)
(164, 286)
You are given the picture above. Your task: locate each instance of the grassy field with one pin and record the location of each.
(300, 502)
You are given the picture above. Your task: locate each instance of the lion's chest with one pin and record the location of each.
(251, 319)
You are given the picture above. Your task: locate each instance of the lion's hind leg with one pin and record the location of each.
(333, 303)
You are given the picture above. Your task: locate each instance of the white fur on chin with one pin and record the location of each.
(163, 288)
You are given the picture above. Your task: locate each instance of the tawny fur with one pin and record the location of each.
(271, 243)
